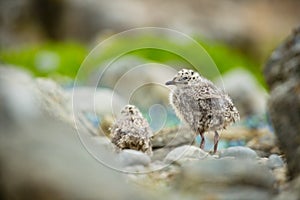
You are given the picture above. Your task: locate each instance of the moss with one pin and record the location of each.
(48, 59)
(65, 58)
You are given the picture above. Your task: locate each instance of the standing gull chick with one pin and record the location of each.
(201, 104)
(132, 131)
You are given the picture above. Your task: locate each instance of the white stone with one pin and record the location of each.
(186, 152)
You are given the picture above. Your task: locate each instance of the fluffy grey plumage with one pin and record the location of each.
(132, 131)
(201, 104)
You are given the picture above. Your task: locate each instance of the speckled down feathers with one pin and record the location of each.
(201, 104)
(132, 131)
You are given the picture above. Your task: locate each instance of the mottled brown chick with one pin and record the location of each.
(201, 104)
(132, 131)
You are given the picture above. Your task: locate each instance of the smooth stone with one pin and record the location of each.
(292, 192)
(129, 157)
(275, 161)
(238, 152)
(203, 174)
(184, 153)
(247, 94)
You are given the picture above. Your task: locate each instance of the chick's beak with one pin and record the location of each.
(170, 83)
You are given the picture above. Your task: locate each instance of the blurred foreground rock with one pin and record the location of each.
(292, 193)
(225, 179)
(282, 73)
(46, 96)
(42, 157)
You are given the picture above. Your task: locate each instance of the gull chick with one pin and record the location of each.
(202, 105)
(132, 131)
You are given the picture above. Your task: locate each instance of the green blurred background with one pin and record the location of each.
(52, 37)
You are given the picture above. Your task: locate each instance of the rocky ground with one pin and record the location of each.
(56, 147)
(40, 146)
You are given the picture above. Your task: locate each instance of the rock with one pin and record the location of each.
(264, 142)
(247, 94)
(281, 178)
(238, 152)
(104, 142)
(100, 101)
(161, 153)
(225, 179)
(275, 161)
(167, 139)
(292, 192)
(186, 153)
(129, 157)
(283, 63)
(18, 91)
(53, 99)
(172, 137)
(41, 156)
(136, 80)
(282, 73)
(92, 107)
(42, 95)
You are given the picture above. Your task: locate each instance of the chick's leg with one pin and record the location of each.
(202, 143)
(216, 141)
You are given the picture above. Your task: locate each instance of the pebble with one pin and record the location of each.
(129, 157)
(275, 161)
(185, 153)
(226, 179)
(238, 152)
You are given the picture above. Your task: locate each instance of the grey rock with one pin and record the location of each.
(238, 152)
(31, 97)
(129, 157)
(135, 79)
(247, 94)
(283, 63)
(42, 158)
(53, 99)
(173, 137)
(161, 153)
(186, 153)
(226, 179)
(100, 101)
(292, 192)
(18, 93)
(282, 74)
(103, 142)
(275, 161)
